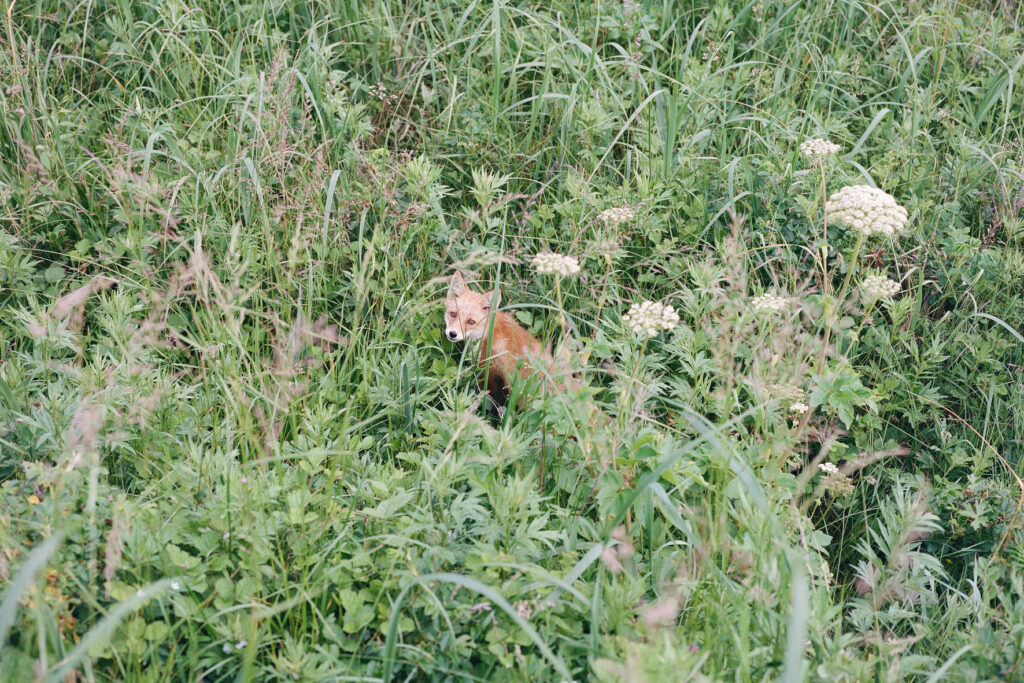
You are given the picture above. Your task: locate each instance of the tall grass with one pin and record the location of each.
(225, 231)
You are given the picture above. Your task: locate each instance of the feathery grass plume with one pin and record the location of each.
(649, 318)
(867, 210)
(768, 303)
(817, 149)
(549, 263)
(617, 215)
(878, 288)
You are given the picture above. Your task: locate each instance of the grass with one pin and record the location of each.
(234, 446)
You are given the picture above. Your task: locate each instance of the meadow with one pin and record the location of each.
(234, 444)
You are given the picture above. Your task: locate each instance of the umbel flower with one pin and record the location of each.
(649, 318)
(878, 288)
(867, 210)
(817, 148)
(767, 303)
(615, 216)
(548, 263)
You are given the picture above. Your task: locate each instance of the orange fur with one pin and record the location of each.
(503, 349)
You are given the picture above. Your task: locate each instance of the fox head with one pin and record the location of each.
(466, 311)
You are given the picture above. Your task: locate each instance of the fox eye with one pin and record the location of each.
(452, 315)
(471, 322)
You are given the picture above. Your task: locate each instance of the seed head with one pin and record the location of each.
(867, 210)
(649, 318)
(548, 263)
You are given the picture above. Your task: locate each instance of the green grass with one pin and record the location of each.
(256, 422)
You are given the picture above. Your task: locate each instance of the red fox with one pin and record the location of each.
(468, 316)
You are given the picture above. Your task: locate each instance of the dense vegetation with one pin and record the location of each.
(234, 446)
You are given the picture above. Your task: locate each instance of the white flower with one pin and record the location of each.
(175, 586)
(817, 148)
(617, 215)
(878, 288)
(798, 408)
(828, 468)
(241, 644)
(867, 210)
(649, 318)
(768, 303)
(547, 263)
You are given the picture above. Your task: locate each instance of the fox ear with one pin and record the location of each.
(489, 296)
(458, 284)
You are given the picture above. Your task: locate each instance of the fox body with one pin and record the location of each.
(506, 349)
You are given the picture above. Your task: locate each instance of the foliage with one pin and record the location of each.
(233, 444)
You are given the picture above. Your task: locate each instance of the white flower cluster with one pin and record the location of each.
(798, 408)
(878, 288)
(613, 217)
(867, 210)
(828, 468)
(817, 148)
(649, 318)
(768, 303)
(548, 263)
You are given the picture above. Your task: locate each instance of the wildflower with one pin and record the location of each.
(838, 485)
(828, 468)
(547, 263)
(767, 303)
(175, 586)
(524, 609)
(798, 408)
(867, 210)
(240, 644)
(787, 392)
(615, 216)
(649, 318)
(605, 248)
(878, 288)
(816, 149)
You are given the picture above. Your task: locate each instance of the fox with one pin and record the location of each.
(507, 349)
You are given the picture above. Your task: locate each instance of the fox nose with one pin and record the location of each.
(452, 334)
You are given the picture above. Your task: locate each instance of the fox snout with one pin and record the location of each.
(453, 335)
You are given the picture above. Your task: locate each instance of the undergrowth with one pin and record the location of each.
(234, 445)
